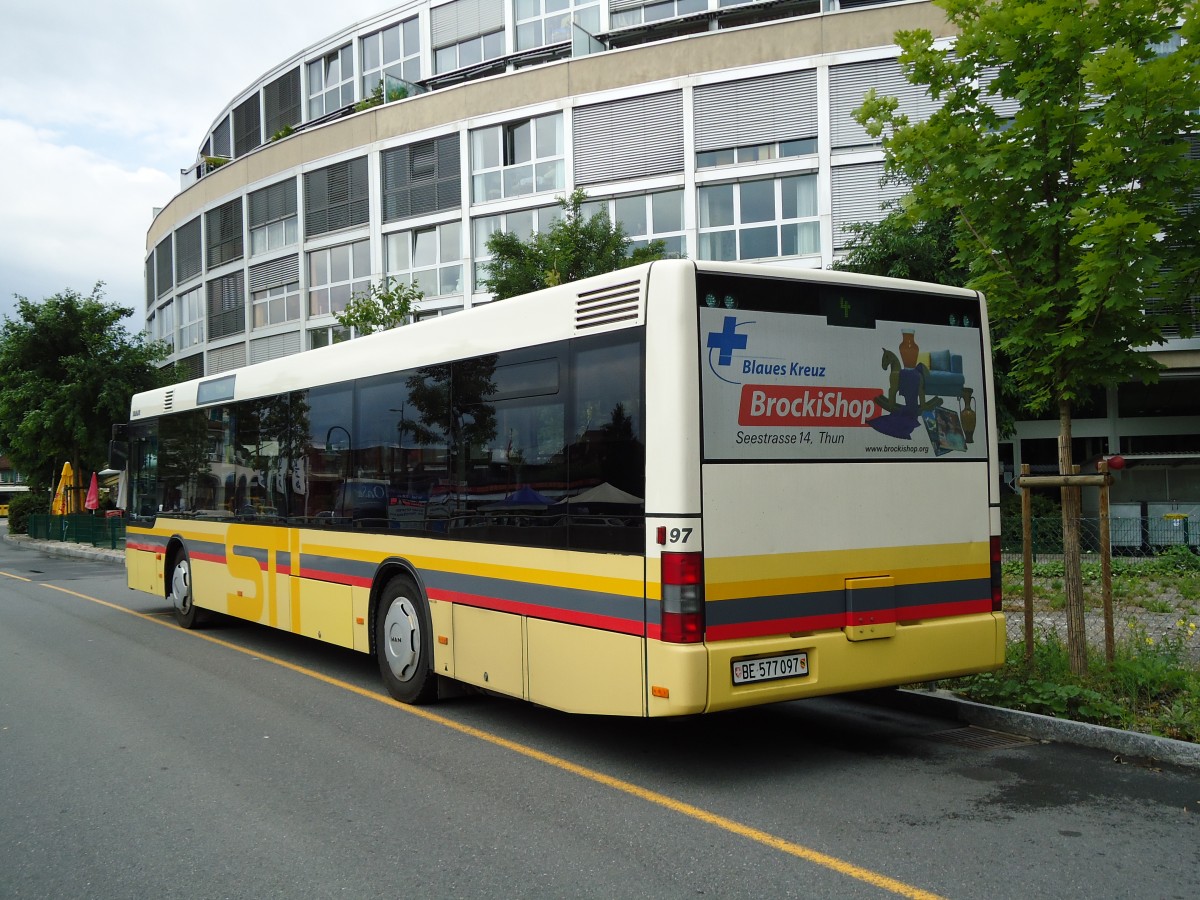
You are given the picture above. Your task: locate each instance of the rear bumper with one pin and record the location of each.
(920, 651)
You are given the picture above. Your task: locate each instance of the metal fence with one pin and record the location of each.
(1148, 609)
(99, 531)
(1137, 536)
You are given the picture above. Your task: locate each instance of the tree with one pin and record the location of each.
(68, 369)
(576, 246)
(382, 306)
(901, 246)
(1073, 214)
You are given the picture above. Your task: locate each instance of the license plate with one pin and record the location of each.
(768, 668)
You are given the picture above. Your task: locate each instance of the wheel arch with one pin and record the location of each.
(386, 571)
(175, 549)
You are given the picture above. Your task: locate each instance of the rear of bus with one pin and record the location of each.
(838, 516)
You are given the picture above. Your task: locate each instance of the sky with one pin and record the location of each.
(102, 105)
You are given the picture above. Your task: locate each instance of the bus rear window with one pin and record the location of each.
(806, 371)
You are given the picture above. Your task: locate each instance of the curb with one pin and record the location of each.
(1044, 728)
(66, 550)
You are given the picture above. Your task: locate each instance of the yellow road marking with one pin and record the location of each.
(18, 577)
(767, 839)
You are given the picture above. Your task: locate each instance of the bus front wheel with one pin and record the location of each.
(404, 642)
(180, 595)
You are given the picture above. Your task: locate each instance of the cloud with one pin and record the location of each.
(72, 217)
(101, 106)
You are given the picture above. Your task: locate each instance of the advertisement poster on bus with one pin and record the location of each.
(786, 386)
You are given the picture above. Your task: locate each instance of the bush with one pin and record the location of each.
(21, 507)
(1178, 559)
(1150, 687)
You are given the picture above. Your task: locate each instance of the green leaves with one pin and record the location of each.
(68, 369)
(1072, 214)
(576, 246)
(382, 306)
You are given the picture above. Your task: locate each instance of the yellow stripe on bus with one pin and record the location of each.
(604, 573)
(806, 573)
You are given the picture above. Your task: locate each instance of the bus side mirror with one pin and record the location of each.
(118, 456)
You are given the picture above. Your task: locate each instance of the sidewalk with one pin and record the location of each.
(1131, 746)
(67, 550)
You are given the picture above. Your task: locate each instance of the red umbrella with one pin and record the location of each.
(93, 494)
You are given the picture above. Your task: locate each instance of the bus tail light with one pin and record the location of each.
(997, 592)
(682, 598)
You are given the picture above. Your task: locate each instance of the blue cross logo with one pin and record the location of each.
(727, 340)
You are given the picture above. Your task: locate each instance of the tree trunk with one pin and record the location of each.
(1072, 572)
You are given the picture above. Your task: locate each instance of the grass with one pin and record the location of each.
(1153, 683)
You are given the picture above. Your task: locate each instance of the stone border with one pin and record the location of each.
(1131, 744)
(68, 550)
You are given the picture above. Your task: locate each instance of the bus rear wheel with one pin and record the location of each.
(180, 595)
(404, 642)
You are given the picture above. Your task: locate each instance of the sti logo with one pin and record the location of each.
(725, 342)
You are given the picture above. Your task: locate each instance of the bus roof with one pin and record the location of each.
(606, 302)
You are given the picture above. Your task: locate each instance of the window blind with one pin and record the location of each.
(629, 138)
(779, 107)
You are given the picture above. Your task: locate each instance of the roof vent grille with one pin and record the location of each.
(169, 400)
(608, 306)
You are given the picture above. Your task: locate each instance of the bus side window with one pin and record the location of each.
(325, 416)
(607, 455)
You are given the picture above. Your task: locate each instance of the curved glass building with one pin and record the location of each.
(396, 146)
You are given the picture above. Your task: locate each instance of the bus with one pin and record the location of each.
(677, 488)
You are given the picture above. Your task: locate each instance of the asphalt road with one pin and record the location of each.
(141, 760)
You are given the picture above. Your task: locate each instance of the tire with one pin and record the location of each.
(180, 593)
(404, 642)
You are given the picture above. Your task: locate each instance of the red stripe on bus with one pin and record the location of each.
(207, 557)
(568, 616)
(773, 627)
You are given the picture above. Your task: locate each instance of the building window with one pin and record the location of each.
(430, 258)
(227, 306)
(646, 218)
(421, 178)
(336, 197)
(275, 305)
(282, 104)
(542, 22)
(657, 12)
(166, 325)
(189, 254)
(524, 224)
(759, 219)
(275, 292)
(331, 82)
(470, 52)
(391, 56)
(323, 337)
(336, 274)
(190, 308)
(222, 139)
(247, 126)
(518, 158)
(164, 266)
(753, 153)
(273, 221)
(223, 233)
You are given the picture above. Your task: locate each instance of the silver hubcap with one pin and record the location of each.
(181, 587)
(402, 634)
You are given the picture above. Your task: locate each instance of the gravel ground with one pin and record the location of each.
(1155, 611)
